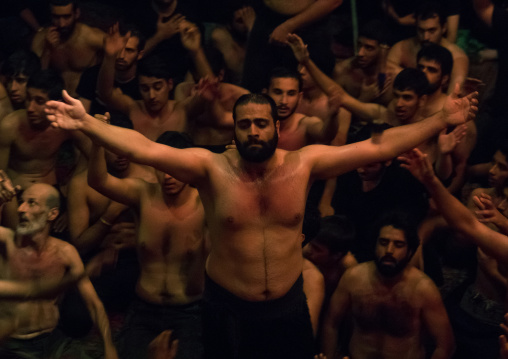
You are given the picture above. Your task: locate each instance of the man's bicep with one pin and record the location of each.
(123, 190)
(189, 165)
(332, 161)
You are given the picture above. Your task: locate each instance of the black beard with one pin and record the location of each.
(432, 88)
(389, 270)
(256, 154)
(66, 32)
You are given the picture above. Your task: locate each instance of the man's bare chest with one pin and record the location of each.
(73, 57)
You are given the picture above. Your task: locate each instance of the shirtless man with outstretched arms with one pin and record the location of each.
(254, 200)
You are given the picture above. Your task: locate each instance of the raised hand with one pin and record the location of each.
(298, 47)
(458, 110)
(167, 29)
(114, 42)
(279, 35)
(418, 164)
(244, 19)
(207, 88)
(448, 141)
(7, 190)
(53, 37)
(163, 347)
(68, 115)
(487, 211)
(190, 36)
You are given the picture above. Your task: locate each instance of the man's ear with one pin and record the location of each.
(265, 91)
(170, 84)
(53, 213)
(141, 53)
(444, 81)
(77, 12)
(277, 127)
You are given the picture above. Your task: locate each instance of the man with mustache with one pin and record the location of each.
(393, 305)
(30, 253)
(254, 306)
(68, 45)
(430, 28)
(296, 129)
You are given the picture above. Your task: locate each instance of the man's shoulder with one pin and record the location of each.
(10, 123)
(359, 271)
(6, 235)
(306, 120)
(93, 36)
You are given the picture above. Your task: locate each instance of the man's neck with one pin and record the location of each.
(256, 170)
(127, 75)
(370, 70)
(289, 121)
(159, 114)
(179, 199)
(36, 241)
(435, 97)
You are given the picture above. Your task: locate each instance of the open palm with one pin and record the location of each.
(66, 115)
(459, 110)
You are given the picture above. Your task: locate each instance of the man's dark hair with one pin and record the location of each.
(430, 9)
(337, 234)
(375, 30)
(154, 66)
(48, 81)
(75, 3)
(402, 221)
(411, 79)
(439, 54)
(124, 28)
(22, 62)
(285, 73)
(257, 98)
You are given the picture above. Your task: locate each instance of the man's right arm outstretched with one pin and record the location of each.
(188, 165)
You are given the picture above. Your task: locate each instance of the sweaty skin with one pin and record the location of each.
(254, 211)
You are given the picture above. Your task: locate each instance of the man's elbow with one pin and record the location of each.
(335, 4)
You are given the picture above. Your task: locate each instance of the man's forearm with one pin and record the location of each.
(201, 63)
(106, 79)
(128, 143)
(400, 139)
(313, 13)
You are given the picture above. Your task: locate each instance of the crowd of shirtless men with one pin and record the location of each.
(246, 189)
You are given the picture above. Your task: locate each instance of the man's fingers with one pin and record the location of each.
(68, 98)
